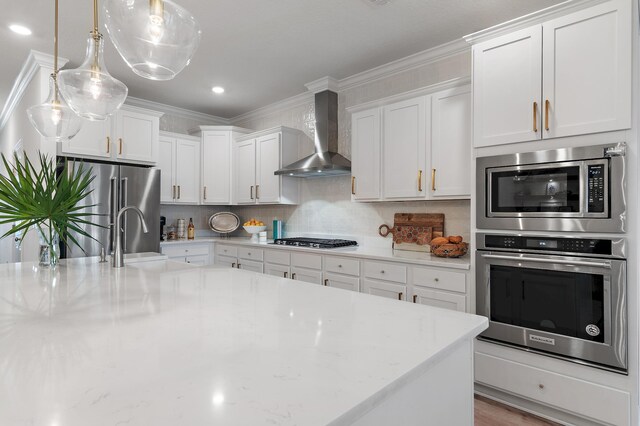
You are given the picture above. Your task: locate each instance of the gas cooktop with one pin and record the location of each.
(314, 242)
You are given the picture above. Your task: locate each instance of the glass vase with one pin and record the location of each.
(49, 247)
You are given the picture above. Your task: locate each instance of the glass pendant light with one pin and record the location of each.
(156, 38)
(89, 89)
(53, 119)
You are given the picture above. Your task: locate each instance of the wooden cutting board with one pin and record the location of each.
(435, 221)
(414, 231)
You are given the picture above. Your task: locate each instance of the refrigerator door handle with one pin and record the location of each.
(124, 203)
(113, 211)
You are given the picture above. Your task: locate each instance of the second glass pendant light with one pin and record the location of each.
(89, 89)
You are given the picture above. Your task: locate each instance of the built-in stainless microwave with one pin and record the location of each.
(572, 189)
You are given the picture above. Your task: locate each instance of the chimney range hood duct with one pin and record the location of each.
(325, 161)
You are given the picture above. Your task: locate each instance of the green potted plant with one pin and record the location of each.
(45, 200)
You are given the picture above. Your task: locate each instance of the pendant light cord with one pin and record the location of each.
(55, 54)
(95, 17)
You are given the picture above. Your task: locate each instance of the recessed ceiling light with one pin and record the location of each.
(217, 90)
(20, 29)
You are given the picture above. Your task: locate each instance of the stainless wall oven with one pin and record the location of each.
(560, 296)
(573, 189)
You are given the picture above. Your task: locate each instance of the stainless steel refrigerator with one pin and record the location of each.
(116, 186)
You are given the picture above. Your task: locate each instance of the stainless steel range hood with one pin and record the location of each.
(325, 161)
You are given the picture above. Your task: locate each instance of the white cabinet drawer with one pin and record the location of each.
(198, 260)
(222, 250)
(305, 260)
(250, 254)
(600, 403)
(186, 250)
(341, 265)
(280, 257)
(385, 271)
(340, 281)
(439, 279)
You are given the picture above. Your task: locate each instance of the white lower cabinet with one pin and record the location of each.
(228, 261)
(276, 270)
(197, 254)
(250, 265)
(439, 299)
(307, 275)
(602, 404)
(341, 281)
(384, 289)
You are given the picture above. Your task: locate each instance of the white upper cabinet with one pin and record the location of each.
(256, 157)
(451, 144)
(179, 163)
(404, 149)
(128, 136)
(216, 163)
(568, 76)
(414, 146)
(365, 152)
(507, 81)
(587, 70)
(268, 151)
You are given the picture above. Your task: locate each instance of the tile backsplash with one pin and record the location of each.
(326, 207)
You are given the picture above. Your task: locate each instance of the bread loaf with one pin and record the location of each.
(455, 239)
(439, 240)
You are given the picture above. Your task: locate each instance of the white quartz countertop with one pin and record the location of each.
(167, 343)
(376, 253)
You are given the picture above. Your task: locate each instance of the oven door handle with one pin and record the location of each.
(606, 265)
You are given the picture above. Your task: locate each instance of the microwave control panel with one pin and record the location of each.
(596, 188)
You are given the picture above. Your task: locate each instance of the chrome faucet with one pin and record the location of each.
(117, 259)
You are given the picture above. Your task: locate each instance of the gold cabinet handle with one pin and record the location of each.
(293, 276)
(251, 192)
(205, 193)
(120, 146)
(535, 117)
(285, 274)
(419, 180)
(326, 282)
(257, 193)
(400, 296)
(353, 185)
(415, 298)
(547, 105)
(433, 179)
(173, 192)
(178, 192)
(238, 266)
(233, 265)
(108, 145)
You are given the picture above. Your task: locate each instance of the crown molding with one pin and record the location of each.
(176, 111)
(437, 87)
(408, 63)
(35, 62)
(274, 108)
(322, 84)
(537, 17)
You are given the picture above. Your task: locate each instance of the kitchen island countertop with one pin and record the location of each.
(167, 343)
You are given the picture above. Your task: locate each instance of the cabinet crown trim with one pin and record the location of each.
(427, 90)
(165, 134)
(197, 131)
(531, 19)
(265, 132)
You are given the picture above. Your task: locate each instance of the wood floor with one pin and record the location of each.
(492, 413)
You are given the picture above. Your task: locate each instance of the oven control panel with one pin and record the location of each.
(595, 188)
(544, 244)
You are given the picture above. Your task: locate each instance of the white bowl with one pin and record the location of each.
(254, 229)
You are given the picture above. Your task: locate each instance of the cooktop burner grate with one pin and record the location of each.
(315, 242)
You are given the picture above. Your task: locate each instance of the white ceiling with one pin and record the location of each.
(262, 51)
